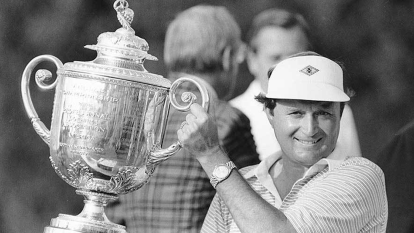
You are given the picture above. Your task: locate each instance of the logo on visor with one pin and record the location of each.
(309, 70)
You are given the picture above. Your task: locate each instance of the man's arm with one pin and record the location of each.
(250, 212)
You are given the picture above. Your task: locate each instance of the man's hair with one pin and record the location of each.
(197, 37)
(276, 18)
(271, 103)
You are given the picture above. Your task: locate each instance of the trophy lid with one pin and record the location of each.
(121, 54)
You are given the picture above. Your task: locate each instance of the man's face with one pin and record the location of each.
(273, 45)
(307, 131)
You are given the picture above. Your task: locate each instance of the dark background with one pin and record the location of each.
(373, 38)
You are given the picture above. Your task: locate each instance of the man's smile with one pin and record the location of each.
(307, 142)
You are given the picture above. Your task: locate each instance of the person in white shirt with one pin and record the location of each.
(274, 35)
(311, 184)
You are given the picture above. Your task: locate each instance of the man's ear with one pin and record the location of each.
(252, 62)
(227, 58)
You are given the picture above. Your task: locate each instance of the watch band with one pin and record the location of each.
(224, 170)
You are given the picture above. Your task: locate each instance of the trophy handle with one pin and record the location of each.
(189, 97)
(206, 91)
(41, 76)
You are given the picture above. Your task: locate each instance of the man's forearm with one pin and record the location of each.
(250, 212)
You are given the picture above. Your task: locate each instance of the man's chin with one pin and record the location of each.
(312, 156)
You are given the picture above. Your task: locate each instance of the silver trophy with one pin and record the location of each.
(108, 122)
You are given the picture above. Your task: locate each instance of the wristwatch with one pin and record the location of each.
(221, 172)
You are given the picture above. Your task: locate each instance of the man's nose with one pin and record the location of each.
(310, 125)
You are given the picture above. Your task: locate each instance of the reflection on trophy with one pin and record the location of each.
(108, 122)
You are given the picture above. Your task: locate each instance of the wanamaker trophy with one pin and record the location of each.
(108, 122)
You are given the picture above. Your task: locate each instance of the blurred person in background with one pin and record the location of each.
(396, 159)
(311, 184)
(204, 42)
(275, 34)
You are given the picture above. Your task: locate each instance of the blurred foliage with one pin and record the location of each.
(373, 38)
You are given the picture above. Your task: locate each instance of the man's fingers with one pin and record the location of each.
(201, 116)
(190, 118)
(182, 137)
(197, 110)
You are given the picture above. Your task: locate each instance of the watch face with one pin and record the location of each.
(221, 171)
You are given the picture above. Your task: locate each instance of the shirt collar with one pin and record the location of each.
(264, 166)
(261, 172)
(332, 161)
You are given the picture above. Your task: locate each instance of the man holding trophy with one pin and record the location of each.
(311, 185)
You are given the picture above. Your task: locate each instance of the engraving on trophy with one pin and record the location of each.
(95, 97)
(80, 147)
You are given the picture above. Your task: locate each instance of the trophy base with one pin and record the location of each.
(73, 224)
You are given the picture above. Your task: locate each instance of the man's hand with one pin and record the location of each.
(198, 134)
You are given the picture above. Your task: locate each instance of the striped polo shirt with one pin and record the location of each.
(336, 194)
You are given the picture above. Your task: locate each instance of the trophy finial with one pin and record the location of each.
(122, 48)
(125, 15)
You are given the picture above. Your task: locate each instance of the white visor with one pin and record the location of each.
(308, 77)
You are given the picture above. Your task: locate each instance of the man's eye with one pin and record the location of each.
(324, 113)
(297, 113)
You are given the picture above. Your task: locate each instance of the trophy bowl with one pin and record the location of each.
(108, 122)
